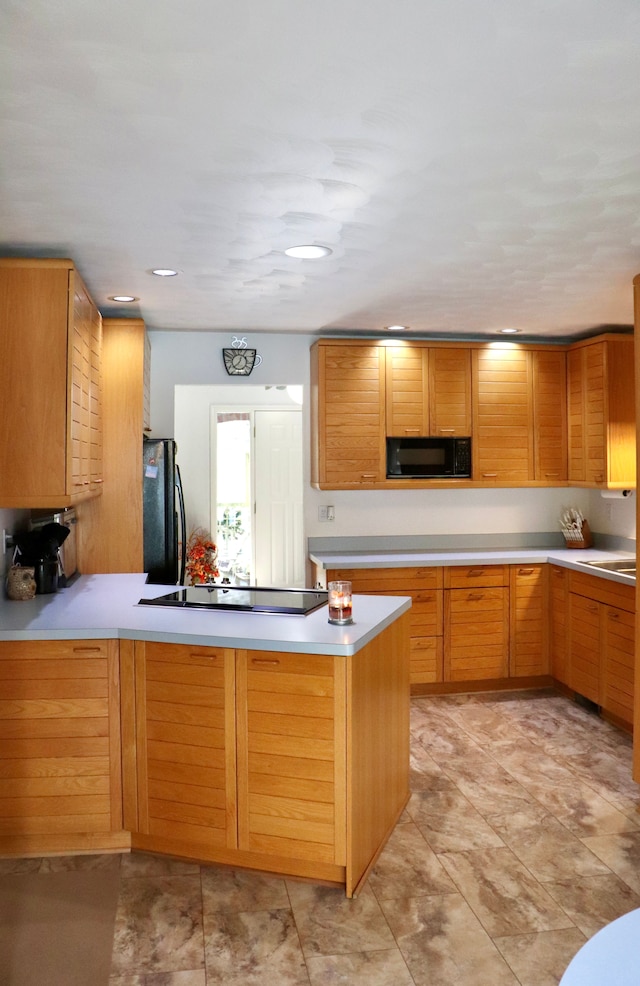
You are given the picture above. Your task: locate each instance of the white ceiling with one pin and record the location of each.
(473, 164)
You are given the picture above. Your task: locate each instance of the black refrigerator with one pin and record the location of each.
(163, 513)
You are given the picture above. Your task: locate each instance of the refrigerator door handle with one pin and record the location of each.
(182, 534)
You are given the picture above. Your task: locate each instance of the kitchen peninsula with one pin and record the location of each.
(278, 743)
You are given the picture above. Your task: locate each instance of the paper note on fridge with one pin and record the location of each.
(151, 472)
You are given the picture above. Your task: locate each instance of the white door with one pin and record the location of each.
(278, 527)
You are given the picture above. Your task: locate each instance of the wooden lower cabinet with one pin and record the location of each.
(291, 763)
(60, 752)
(476, 622)
(268, 759)
(602, 642)
(559, 623)
(424, 586)
(528, 624)
(186, 744)
(584, 654)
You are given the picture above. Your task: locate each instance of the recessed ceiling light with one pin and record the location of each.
(122, 297)
(508, 332)
(396, 328)
(164, 272)
(308, 251)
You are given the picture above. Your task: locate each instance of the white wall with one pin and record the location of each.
(181, 359)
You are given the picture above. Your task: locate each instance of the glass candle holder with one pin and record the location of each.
(340, 607)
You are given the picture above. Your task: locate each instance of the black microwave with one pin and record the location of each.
(428, 458)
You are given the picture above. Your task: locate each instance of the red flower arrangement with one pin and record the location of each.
(202, 555)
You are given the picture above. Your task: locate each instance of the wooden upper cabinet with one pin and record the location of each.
(550, 415)
(601, 412)
(428, 391)
(520, 417)
(50, 386)
(119, 509)
(348, 439)
(407, 404)
(450, 391)
(503, 443)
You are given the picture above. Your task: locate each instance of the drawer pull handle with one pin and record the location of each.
(264, 662)
(525, 571)
(489, 475)
(473, 573)
(447, 431)
(87, 650)
(412, 431)
(475, 595)
(614, 616)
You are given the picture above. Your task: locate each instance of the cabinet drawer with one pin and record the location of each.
(396, 581)
(476, 576)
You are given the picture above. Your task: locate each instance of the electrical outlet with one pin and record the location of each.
(326, 513)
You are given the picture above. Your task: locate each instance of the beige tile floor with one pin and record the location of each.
(520, 841)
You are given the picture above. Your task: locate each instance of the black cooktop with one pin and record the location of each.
(249, 599)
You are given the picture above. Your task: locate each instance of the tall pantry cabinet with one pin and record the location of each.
(50, 385)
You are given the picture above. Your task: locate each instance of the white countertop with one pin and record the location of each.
(574, 558)
(106, 606)
(610, 958)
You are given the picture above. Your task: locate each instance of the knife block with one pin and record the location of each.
(583, 542)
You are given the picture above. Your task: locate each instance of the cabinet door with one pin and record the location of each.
(348, 429)
(559, 623)
(60, 778)
(476, 634)
(33, 385)
(595, 409)
(618, 662)
(291, 756)
(577, 471)
(186, 746)
(550, 416)
(407, 404)
(450, 391)
(529, 642)
(585, 649)
(502, 416)
(601, 412)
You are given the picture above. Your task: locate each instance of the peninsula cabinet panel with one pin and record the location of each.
(186, 746)
(50, 385)
(502, 416)
(267, 759)
(60, 777)
(529, 639)
(348, 392)
(601, 412)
